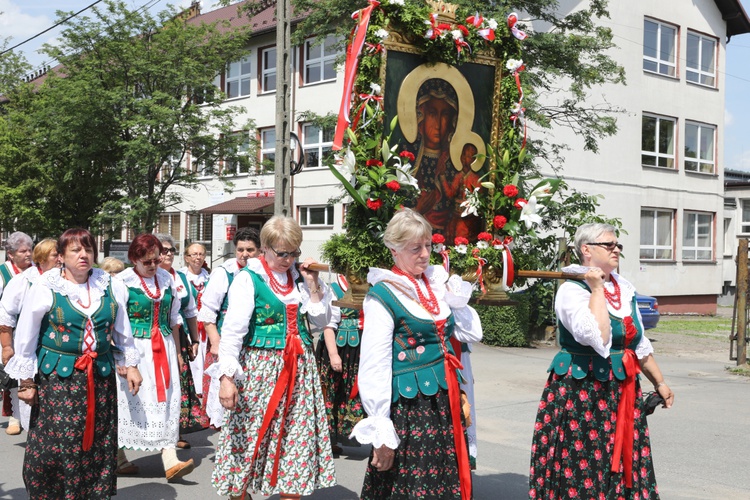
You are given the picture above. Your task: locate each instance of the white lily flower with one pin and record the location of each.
(492, 24)
(528, 213)
(543, 191)
(376, 89)
(347, 164)
(404, 176)
(381, 33)
(471, 205)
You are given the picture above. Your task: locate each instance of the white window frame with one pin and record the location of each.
(652, 245)
(313, 141)
(235, 168)
(267, 148)
(664, 67)
(267, 71)
(306, 214)
(690, 248)
(660, 157)
(694, 72)
(243, 77)
(322, 60)
(700, 161)
(172, 220)
(200, 230)
(745, 223)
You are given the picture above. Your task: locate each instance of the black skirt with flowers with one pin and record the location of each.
(574, 436)
(55, 466)
(190, 403)
(425, 464)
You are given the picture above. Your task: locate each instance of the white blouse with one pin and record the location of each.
(241, 307)
(572, 310)
(132, 280)
(14, 293)
(376, 354)
(215, 291)
(38, 303)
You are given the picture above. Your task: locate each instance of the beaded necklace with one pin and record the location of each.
(145, 287)
(614, 299)
(430, 303)
(276, 286)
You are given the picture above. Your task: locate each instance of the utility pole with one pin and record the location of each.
(741, 290)
(282, 178)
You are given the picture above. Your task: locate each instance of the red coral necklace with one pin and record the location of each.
(614, 299)
(430, 303)
(145, 287)
(276, 286)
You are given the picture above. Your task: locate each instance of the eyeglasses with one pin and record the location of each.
(284, 255)
(151, 262)
(171, 250)
(196, 255)
(609, 245)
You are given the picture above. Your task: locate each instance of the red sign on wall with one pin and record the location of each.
(231, 231)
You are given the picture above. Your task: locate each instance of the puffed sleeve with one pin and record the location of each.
(123, 334)
(10, 304)
(572, 309)
(174, 312)
(335, 317)
(236, 323)
(375, 377)
(319, 313)
(213, 296)
(37, 303)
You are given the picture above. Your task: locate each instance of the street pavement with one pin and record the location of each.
(701, 446)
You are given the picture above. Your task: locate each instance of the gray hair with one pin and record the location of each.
(406, 226)
(162, 237)
(588, 233)
(17, 240)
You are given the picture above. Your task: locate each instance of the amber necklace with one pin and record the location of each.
(430, 303)
(156, 296)
(276, 286)
(614, 299)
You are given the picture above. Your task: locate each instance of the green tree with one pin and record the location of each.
(133, 96)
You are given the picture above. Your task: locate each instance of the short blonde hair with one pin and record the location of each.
(43, 249)
(406, 226)
(280, 229)
(112, 265)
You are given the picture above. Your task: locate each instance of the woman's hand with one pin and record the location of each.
(122, 370)
(595, 278)
(666, 393)
(382, 458)
(311, 277)
(28, 396)
(193, 351)
(134, 379)
(228, 393)
(336, 363)
(7, 354)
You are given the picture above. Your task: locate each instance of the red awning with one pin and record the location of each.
(242, 205)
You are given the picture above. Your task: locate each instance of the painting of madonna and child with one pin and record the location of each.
(445, 120)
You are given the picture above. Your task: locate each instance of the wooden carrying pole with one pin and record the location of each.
(555, 275)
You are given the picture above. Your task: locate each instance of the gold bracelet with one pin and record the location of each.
(315, 290)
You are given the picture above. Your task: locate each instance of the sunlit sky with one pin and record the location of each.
(22, 19)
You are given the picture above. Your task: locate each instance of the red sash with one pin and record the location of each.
(86, 363)
(161, 364)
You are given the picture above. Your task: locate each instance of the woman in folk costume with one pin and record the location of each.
(190, 403)
(408, 373)
(44, 257)
(337, 355)
(197, 275)
(275, 438)
(68, 322)
(150, 420)
(591, 436)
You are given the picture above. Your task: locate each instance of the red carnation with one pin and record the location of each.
(499, 221)
(520, 202)
(460, 240)
(510, 191)
(406, 154)
(484, 236)
(393, 185)
(463, 29)
(437, 239)
(374, 163)
(374, 204)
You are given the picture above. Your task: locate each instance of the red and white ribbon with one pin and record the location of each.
(509, 271)
(512, 20)
(480, 272)
(435, 29)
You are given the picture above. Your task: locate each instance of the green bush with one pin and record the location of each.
(506, 326)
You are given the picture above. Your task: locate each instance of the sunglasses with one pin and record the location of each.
(151, 262)
(609, 245)
(171, 250)
(284, 255)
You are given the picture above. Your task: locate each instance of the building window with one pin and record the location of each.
(701, 60)
(200, 230)
(268, 70)
(268, 149)
(320, 60)
(729, 239)
(656, 234)
(658, 141)
(699, 147)
(316, 216)
(697, 236)
(238, 78)
(745, 228)
(169, 223)
(240, 165)
(659, 48)
(317, 144)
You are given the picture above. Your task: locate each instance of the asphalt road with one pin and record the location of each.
(701, 446)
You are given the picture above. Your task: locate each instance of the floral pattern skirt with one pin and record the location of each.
(574, 437)
(342, 410)
(305, 459)
(55, 466)
(425, 465)
(190, 403)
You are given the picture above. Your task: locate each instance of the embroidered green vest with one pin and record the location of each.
(5, 275)
(417, 350)
(141, 311)
(224, 303)
(62, 332)
(348, 331)
(268, 324)
(583, 358)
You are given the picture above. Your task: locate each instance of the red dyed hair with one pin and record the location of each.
(143, 244)
(77, 235)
